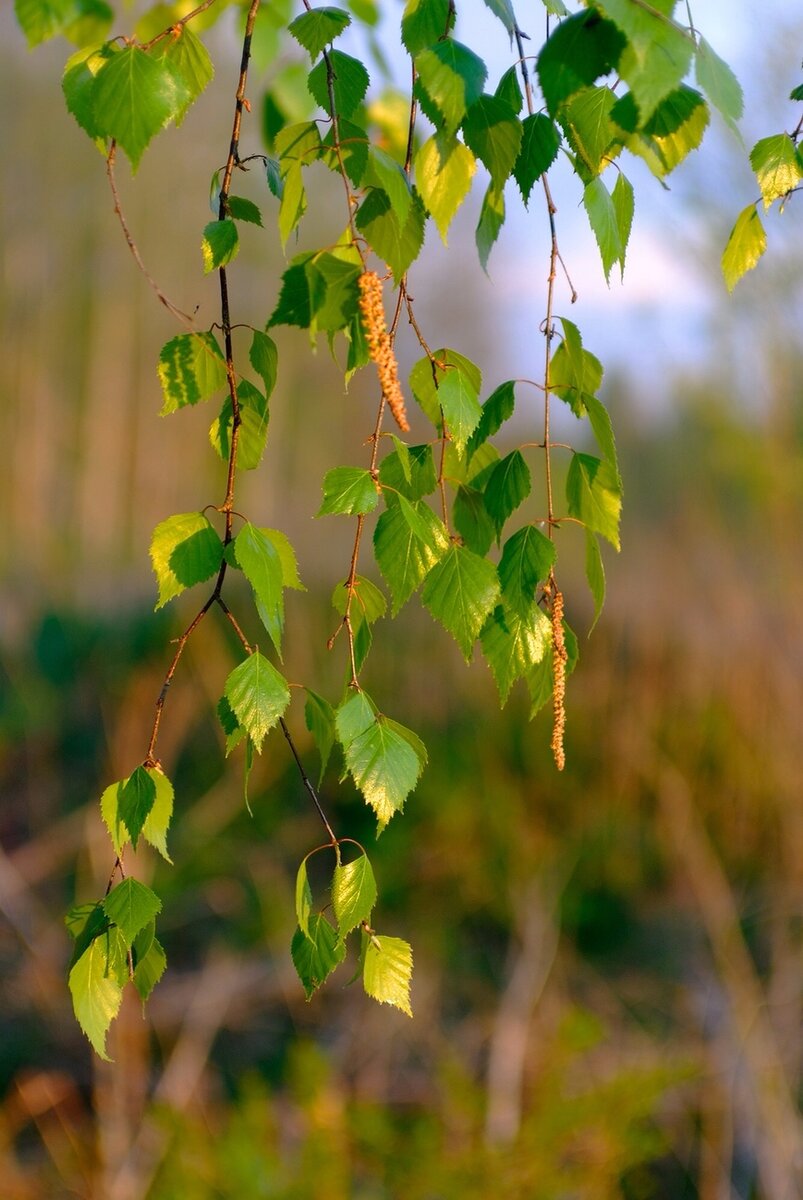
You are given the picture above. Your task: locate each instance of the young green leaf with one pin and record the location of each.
(507, 487)
(320, 720)
(425, 22)
(777, 166)
(719, 83)
(527, 559)
(353, 893)
(387, 971)
(220, 244)
(185, 550)
(135, 801)
(233, 730)
(368, 603)
(444, 168)
(191, 369)
(241, 209)
(604, 223)
(78, 85)
(316, 953)
(497, 409)
(354, 716)
(658, 52)
(259, 561)
(258, 696)
(514, 642)
(595, 574)
(424, 387)
(540, 143)
(384, 760)
(586, 119)
(471, 520)
(594, 495)
(318, 28)
(287, 559)
(264, 358)
(254, 418)
(460, 591)
(158, 818)
(411, 474)
(396, 244)
(348, 490)
(149, 969)
(135, 95)
(492, 218)
(581, 50)
(459, 404)
(493, 133)
(623, 207)
(746, 244)
(603, 430)
(96, 991)
(131, 906)
(189, 60)
(402, 556)
(453, 78)
(349, 83)
(383, 172)
(674, 129)
(303, 899)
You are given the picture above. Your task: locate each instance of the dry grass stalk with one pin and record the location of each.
(380, 346)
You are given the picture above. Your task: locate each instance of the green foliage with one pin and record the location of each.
(443, 516)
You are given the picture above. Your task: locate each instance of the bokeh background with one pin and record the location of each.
(608, 962)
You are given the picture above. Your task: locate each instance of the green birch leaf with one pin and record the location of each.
(574, 371)
(158, 819)
(264, 358)
(493, 133)
(292, 204)
(189, 60)
(41, 20)
(444, 168)
(368, 603)
(746, 244)
(149, 969)
(135, 95)
(404, 458)
(387, 971)
(96, 993)
(539, 148)
(528, 556)
(254, 418)
(676, 127)
(241, 209)
(460, 405)
(423, 385)
(425, 22)
(384, 172)
(191, 369)
(719, 83)
(453, 77)
(348, 490)
(354, 143)
(497, 409)
(185, 550)
(354, 717)
(143, 941)
(135, 801)
(110, 812)
(385, 761)
(402, 556)
(507, 487)
(131, 906)
(353, 893)
(287, 559)
(297, 146)
(581, 50)
(258, 696)
(318, 28)
(594, 496)
(492, 218)
(514, 642)
(540, 680)
(78, 85)
(303, 899)
(586, 118)
(604, 223)
(84, 923)
(556, 7)
(777, 166)
(257, 557)
(460, 591)
(595, 574)
(316, 953)
(658, 53)
(603, 430)
(396, 244)
(509, 90)
(471, 520)
(232, 728)
(417, 522)
(220, 244)
(320, 720)
(412, 476)
(350, 83)
(623, 207)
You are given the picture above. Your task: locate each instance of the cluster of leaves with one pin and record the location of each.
(778, 163)
(612, 80)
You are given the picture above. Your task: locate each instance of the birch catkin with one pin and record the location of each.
(559, 657)
(380, 346)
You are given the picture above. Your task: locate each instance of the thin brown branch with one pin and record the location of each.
(307, 782)
(185, 318)
(178, 25)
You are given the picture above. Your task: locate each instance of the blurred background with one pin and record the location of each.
(607, 974)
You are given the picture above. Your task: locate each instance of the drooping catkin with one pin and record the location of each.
(380, 346)
(559, 657)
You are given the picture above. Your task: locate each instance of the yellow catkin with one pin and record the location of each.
(380, 346)
(559, 657)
